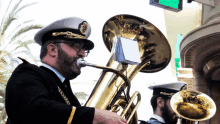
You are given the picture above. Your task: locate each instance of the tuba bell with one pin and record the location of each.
(192, 106)
(112, 89)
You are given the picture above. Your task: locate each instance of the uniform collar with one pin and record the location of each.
(55, 71)
(158, 118)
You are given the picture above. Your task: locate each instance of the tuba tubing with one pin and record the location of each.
(138, 95)
(82, 63)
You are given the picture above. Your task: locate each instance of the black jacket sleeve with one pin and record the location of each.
(28, 102)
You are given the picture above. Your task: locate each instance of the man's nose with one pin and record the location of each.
(82, 53)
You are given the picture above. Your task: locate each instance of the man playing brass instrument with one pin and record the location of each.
(42, 95)
(160, 102)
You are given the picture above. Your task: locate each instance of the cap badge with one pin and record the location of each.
(68, 35)
(83, 27)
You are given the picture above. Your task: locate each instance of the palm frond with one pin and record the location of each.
(5, 14)
(23, 52)
(10, 18)
(4, 80)
(12, 43)
(28, 53)
(2, 66)
(16, 42)
(7, 23)
(4, 83)
(24, 7)
(23, 45)
(3, 54)
(2, 93)
(19, 27)
(16, 7)
(30, 56)
(3, 62)
(6, 72)
(26, 29)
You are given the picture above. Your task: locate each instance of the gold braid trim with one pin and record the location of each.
(68, 35)
(71, 115)
(68, 103)
(64, 96)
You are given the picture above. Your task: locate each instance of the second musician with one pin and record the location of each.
(160, 102)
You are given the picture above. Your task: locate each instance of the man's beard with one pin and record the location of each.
(168, 115)
(65, 64)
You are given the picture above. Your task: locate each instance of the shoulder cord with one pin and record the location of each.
(64, 96)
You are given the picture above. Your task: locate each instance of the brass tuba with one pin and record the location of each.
(112, 89)
(192, 106)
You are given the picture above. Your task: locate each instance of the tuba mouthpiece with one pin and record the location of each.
(81, 63)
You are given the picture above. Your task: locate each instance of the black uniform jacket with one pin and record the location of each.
(32, 97)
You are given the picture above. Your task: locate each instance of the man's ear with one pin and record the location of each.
(160, 102)
(52, 50)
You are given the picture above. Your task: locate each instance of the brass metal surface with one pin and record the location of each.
(112, 91)
(193, 105)
(153, 45)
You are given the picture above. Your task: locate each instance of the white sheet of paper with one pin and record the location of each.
(127, 51)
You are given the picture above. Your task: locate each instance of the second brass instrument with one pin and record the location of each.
(193, 106)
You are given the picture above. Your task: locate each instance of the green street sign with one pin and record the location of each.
(172, 5)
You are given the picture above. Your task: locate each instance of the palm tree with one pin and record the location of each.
(14, 42)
